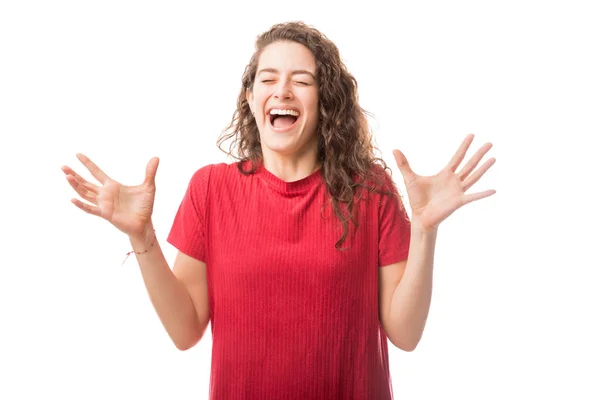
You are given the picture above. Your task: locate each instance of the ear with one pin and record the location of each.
(250, 99)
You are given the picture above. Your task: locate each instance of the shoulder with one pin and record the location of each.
(212, 171)
(216, 176)
(385, 190)
(379, 180)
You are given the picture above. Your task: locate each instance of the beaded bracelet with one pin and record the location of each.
(139, 252)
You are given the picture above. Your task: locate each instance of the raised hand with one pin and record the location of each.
(434, 198)
(128, 208)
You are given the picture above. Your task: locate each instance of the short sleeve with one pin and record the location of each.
(394, 228)
(188, 232)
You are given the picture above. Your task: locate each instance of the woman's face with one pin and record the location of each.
(285, 99)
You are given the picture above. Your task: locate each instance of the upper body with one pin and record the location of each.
(291, 316)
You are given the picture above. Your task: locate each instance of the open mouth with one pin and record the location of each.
(282, 121)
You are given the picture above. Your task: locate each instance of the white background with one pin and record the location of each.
(515, 304)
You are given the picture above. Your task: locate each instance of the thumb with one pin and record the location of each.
(151, 170)
(403, 166)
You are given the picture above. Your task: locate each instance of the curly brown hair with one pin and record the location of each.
(345, 138)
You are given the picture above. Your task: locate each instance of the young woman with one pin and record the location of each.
(301, 253)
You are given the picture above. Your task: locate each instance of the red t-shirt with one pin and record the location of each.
(291, 316)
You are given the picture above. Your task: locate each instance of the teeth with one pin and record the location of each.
(276, 111)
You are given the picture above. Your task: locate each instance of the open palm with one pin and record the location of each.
(129, 208)
(434, 198)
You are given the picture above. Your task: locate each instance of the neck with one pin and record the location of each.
(290, 170)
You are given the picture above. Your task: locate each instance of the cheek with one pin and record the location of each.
(260, 118)
(314, 108)
(260, 96)
(314, 103)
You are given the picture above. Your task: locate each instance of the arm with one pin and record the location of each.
(405, 291)
(180, 296)
(405, 288)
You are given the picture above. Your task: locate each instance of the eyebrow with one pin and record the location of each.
(294, 72)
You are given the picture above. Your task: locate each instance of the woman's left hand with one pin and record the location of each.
(434, 198)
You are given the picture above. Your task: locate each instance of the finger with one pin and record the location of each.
(460, 153)
(470, 166)
(478, 196)
(90, 186)
(85, 189)
(87, 194)
(151, 170)
(403, 166)
(475, 176)
(93, 168)
(86, 207)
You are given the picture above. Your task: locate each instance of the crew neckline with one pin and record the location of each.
(298, 186)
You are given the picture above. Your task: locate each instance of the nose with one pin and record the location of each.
(283, 91)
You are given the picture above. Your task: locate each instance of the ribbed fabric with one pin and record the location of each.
(291, 316)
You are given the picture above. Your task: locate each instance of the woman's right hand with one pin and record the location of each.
(129, 208)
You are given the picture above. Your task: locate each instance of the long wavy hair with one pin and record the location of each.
(345, 146)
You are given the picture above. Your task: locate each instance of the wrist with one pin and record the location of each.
(142, 243)
(420, 231)
(142, 240)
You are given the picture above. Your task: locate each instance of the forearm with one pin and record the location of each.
(168, 295)
(412, 298)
